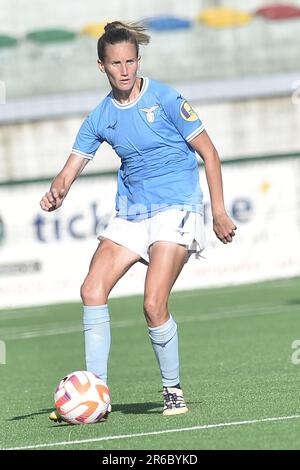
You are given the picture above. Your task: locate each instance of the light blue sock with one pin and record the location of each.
(96, 323)
(164, 341)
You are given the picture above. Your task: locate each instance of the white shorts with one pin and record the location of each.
(173, 225)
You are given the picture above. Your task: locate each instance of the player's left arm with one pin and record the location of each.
(224, 227)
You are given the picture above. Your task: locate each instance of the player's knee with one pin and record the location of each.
(155, 310)
(92, 295)
(85, 293)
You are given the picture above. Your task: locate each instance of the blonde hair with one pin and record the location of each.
(117, 31)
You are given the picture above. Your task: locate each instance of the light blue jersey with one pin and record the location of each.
(159, 168)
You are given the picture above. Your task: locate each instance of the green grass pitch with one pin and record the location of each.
(237, 372)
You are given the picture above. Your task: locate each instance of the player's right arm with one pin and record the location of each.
(61, 184)
(85, 146)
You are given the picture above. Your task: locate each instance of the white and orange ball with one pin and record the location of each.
(82, 398)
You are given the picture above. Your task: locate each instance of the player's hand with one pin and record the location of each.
(224, 228)
(53, 199)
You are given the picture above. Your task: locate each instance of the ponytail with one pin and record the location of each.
(116, 32)
(134, 27)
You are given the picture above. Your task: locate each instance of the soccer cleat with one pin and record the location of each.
(56, 418)
(174, 403)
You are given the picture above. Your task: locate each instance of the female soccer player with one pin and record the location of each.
(159, 212)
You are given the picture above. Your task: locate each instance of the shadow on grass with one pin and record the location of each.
(138, 408)
(148, 408)
(31, 415)
(130, 408)
(293, 302)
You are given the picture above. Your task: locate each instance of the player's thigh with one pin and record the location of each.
(166, 260)
(109, 263)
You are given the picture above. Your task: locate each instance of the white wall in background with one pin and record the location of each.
(253, 127)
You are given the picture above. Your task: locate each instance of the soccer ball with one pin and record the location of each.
(81, 398)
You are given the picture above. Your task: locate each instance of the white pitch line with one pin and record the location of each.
(154, 433)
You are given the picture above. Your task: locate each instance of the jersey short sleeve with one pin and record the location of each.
(88, 139)
(181, 113)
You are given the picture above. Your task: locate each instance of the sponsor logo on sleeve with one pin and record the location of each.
(187, 112)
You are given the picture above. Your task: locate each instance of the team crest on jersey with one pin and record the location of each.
(150, 113)
(187, 112)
